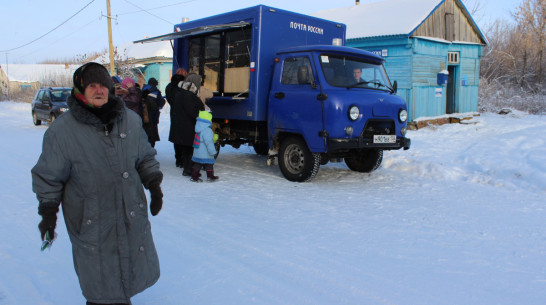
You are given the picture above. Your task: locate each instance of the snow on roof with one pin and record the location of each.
(132, 50)
(38, 72)
(385, 18)
(44, 72)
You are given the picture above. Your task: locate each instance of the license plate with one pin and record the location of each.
(383, 139)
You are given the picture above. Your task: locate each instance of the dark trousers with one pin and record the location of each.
(206, 166)
(178, 155)
(187, 153)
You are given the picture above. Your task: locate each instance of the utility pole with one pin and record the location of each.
(7, 76)
(110, 43)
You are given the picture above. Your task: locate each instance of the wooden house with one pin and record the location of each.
(432, 48)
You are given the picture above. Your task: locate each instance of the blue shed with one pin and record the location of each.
(432, 48)
(152, 60)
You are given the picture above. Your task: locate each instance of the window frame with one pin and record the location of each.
(198, 45)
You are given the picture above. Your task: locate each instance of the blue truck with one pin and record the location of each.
(284, 83)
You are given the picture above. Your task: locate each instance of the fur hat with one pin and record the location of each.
(194, 79)
(89, 73)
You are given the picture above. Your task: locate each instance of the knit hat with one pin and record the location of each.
(194, 79)
(152, 81)
(127, 81)
(205, 115)
(89, 73)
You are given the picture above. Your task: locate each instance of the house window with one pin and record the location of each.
(453, 57)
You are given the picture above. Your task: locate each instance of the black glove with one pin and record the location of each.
(49, 220)
(157, 199)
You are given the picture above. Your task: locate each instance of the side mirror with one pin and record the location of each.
(395, 87)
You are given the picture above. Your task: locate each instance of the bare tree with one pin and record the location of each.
(512, 67)
(531, 19)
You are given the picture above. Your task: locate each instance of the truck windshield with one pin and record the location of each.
(353, 72)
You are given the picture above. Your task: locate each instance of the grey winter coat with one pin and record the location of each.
(98, 179)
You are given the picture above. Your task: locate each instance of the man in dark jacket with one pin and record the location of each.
(95, 161)
(153, 102)
(170, 93)
(185, 110)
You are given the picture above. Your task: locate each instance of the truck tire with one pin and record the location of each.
(365, 161)
(35, 119)
(297, 163)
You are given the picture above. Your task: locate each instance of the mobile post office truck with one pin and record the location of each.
(284, 83)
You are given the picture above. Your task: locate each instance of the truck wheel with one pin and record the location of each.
(35, 119)
(365, 161)
(297, 163)
(261, 148)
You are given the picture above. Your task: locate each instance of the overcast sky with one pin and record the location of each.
(37, 30)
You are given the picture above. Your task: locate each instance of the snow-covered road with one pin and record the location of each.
(457, 219)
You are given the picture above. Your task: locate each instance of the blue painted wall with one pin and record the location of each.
(160, 71)
(415, 62)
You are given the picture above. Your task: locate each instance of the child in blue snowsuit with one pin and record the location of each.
(204, 150)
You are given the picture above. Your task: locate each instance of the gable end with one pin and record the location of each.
(452, 22)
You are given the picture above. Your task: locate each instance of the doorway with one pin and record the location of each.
(451, 90)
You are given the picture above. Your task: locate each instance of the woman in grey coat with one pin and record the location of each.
(95, 161)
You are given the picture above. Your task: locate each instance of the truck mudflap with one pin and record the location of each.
(362, 143)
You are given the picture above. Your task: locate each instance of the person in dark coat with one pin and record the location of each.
(95, 161)
(170, 92)
(185, 110)
(153, 102)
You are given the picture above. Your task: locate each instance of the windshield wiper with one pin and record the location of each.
(371, 82)
(358, 84)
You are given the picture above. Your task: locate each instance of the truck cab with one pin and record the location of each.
(329, 103)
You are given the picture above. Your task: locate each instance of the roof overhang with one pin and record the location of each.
(194, 31)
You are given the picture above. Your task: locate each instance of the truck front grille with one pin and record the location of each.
(378, 127)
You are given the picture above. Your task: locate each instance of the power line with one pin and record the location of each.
(52, 44)
(147, 11)
(26, 44)
(159, 7)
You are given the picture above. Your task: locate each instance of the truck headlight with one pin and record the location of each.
(354, 113)
(403, 115)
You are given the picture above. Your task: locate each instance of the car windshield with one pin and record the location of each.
(353, 72)
(60, 95)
